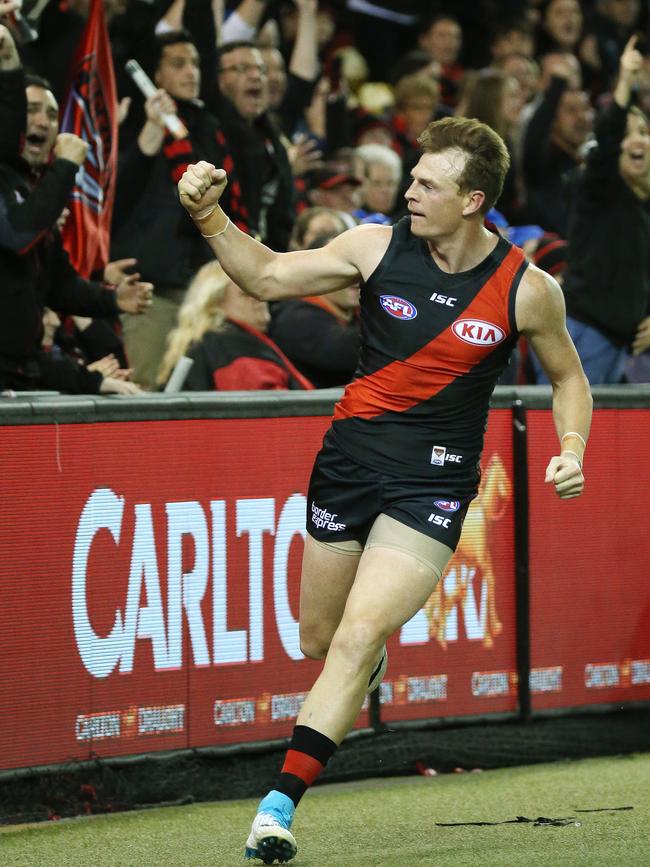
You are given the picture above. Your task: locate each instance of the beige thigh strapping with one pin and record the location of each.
(345, 546)
(386, 532)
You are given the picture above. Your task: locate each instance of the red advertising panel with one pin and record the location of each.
(457, 655)
(150, 585)
(589, 560)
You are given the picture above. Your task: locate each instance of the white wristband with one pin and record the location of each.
(216, 234)
(574, 433)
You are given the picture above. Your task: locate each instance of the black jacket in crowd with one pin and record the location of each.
(263, 173)
(546, 166)
(149, 223)
(35, 271)
(323, 347)
(607, 282)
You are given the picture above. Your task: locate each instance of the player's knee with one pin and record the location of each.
(313, 649)
(359, 643)
(314, 643)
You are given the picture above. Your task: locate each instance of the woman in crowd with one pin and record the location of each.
(222, 330)
(497, 100)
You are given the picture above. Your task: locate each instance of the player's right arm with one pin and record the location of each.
(261, 272)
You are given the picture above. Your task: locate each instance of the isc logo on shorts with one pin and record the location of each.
(439, 520)
(477, 332)
(397, 307)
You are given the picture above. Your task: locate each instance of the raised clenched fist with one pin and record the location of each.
(201, 187)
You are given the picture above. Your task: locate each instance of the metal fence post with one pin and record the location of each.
(522, 565)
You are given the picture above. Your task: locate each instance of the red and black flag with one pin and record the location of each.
(90, 112)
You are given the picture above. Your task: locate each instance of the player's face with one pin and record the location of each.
(178, 72)
(243, 80)
(42, 126)
(634, 161)
(434, 198)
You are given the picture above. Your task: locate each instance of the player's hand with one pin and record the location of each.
(134, 296)
(566, 474)
(201, 187)
(69, 146)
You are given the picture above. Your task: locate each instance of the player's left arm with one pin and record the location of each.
(541, 317)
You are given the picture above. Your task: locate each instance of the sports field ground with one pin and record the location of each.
(386, 823)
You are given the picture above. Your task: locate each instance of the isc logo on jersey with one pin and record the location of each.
(397, 307)
(447, 505)
(478, 332)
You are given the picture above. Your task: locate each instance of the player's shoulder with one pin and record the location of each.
(539, 298)
(364, 245)
(369, 233)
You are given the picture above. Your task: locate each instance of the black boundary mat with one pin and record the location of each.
(179, 779)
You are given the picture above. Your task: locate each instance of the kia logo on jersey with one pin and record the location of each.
(478, 332)
(398, 307)
(447, 505)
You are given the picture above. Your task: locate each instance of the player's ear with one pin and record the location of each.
(473, 202)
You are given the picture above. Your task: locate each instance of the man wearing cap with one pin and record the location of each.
(330, 187)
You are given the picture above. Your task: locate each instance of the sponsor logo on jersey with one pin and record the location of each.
(478, 332)
(397, 307)
(439, 521)
(447, 300)
(439, 455)
(447, 505)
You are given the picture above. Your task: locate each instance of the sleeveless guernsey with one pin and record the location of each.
(432, 348)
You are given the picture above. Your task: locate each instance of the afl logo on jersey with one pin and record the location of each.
(447, 505)
(478, 332)
(397, 307)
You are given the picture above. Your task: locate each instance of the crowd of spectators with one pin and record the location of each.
(314, 110)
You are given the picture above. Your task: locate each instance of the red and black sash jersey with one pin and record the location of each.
(433, 347)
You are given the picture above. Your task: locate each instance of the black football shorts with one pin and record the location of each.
(345, 498)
